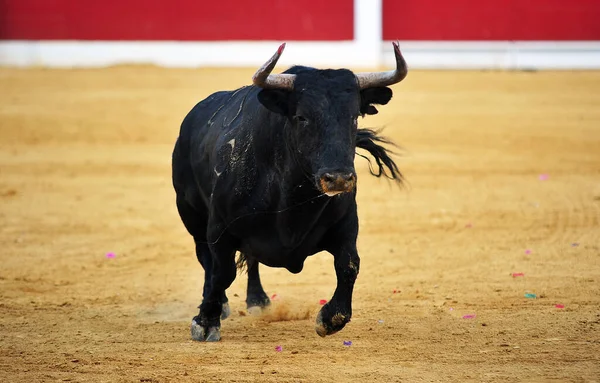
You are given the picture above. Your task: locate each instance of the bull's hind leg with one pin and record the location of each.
(256, 298)
(206, 326)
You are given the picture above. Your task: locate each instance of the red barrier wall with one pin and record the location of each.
(198, 20)
(491, 19)
(176, 20)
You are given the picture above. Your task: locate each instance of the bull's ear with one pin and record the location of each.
(369, 96)
(275, 100)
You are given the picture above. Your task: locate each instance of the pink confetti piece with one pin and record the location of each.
(527, 251)
(278, 348)
(274, 297)
(110, 255)
(322, 302)
(544, 177)
(469, 316)
(559, 306)
(518, 275)
(451, 308)
(469, 225)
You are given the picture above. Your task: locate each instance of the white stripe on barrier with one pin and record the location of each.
(507, 55)
(353, 54)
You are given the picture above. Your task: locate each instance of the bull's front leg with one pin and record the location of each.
(337, 312)
(206, 326)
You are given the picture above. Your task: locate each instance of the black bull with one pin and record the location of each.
(268, 170)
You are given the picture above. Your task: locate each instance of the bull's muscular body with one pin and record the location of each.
(268, 171)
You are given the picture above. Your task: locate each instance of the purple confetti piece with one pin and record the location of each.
(575, 244)
(110, 255)
(347, 343)
(544, 177)
(278, 348)
(469, 316)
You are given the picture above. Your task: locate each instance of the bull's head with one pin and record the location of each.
(322, 108)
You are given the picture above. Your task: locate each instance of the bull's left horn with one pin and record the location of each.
(377, 79)
(264, 79)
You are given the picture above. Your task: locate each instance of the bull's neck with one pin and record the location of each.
(280, 154)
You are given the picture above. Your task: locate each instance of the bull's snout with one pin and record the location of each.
(332, 183)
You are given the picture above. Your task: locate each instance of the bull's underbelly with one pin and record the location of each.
(272, 252)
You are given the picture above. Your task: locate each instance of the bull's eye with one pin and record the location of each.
(301, 120)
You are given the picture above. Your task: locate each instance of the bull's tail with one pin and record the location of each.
(242, 263)
(369, 140)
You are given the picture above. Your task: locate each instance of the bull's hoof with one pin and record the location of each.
(320, 327)
(214, 334)
(205, 334)
(327, 324)
(198, 332)
(255, 310)
(225, 311)
(260, 300)
(257, 302)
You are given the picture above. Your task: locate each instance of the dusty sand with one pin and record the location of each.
(85, 170)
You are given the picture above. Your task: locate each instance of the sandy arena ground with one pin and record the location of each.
(85, 170)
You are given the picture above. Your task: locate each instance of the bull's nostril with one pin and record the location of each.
(348, 177)
(328, 177)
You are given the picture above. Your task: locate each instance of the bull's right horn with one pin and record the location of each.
(264, 79)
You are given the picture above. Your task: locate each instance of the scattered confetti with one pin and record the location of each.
(278, 348)
(527, 251)
(380, 321)
(469, 225)
(110, 255)
(274, 297)
(395, 291)
(544, 177)
(574, 244)
(347, 343)
(451, 308)
(530, 296)
(322, 302)
(559, 306)
(518, 275)
(469, 316)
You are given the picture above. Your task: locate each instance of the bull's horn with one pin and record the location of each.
(264, 79)
(377, 79)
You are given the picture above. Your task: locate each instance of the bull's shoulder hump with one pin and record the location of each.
(220, 102)
(225, 96)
